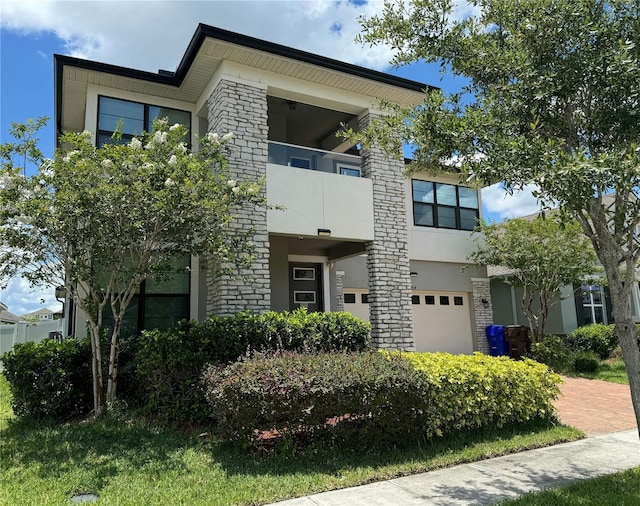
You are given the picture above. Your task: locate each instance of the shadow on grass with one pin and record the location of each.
(98, 449)
(414, 455)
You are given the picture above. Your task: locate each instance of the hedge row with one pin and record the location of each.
(50, 379)
(597, 338)
(374, 396)
(169, 364)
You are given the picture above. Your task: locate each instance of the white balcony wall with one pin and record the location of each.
(314, 200)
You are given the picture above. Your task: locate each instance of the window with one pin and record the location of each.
(430, 300)
(161, 301)
(444, 300)
(133, 118)
(301, 163)
(348, 170)
(364, 298)
(458, 301)
(415, 299)
(444, 205)
(593, 304)
(349, 298)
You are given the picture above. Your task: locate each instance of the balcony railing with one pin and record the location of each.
(313, 159)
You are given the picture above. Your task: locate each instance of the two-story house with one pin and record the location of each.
(354, 234)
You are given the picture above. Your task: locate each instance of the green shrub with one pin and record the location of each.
(50, 379)
(598, 338)
(386, 396)
(297, 393)
(470, 391)
(552, 352)
(169, 364)
(585, 361)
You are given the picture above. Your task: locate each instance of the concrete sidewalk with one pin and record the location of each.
(490, 481)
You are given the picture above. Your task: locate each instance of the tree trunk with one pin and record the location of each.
(96, 369)
(113, 360)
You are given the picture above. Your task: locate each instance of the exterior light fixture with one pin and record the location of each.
(414, 274)
(485, 302)
(324, 232)
(293, 105)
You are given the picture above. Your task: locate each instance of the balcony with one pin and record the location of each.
(318, 197)
(313, 159)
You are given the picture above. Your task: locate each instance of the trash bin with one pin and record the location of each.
(517, 338)
(497, 343)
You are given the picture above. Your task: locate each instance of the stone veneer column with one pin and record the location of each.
(483, 313)
(242, 109)
(388, 254)
(339, 291)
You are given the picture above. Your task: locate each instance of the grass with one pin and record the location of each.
(130, 462)
(612, 370)
(619, 489)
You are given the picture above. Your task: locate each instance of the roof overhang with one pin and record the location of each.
(208, 49)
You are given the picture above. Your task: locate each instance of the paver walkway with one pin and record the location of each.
(595, 407)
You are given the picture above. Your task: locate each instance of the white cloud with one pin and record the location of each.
(20, 298)
(497, 201)
(114, 31)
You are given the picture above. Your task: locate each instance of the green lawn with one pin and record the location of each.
(130, 462)
(612, 370)
(621, 489)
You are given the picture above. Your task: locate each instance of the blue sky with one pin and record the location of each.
(150, 35)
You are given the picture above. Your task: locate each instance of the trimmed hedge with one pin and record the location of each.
(169, 364)
(367, 395)
(598, 338)
(386, 396)
(50, 379)
(472, 391)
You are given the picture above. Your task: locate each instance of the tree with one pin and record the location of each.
(552, 100)
(542, 256)
(100, 220)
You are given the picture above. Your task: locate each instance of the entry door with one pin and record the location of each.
(305, 286)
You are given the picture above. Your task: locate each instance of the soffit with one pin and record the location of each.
(210, 55)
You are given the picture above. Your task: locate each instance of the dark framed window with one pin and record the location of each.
(458, 301)
(364, 298)
(349, 298)
(415, 299)
(161, 302)
(443, 205)
(133, 118)
(430, 300)
(444, 300)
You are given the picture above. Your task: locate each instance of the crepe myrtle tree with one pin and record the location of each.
(100, 220)
(542, 255)
(552, 99)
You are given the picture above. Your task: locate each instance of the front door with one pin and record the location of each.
(305, 286)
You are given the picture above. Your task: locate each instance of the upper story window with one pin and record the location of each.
(133, 118)
(444, 205)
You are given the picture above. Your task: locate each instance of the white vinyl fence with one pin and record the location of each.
(23, 332)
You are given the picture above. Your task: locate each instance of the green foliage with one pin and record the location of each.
(169, 364)
(597, 338)
(369, 397)
(585, 362)
(552, 352)
(386, 396)
(550, 102)
(542, 255)
(471, 391)
(50, 379)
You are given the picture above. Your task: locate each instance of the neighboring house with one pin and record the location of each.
(575, 306)
(7, 317)
(355, 234)
(43, 315)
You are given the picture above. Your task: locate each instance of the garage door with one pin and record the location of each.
(441, 320)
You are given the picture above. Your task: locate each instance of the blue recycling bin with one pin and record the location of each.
(497, 342)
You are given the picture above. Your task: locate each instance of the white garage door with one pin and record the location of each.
(441, 320)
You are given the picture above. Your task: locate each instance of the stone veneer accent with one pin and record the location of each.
(483, 316)
(388, 254)
(339, 291)
(242, 109)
